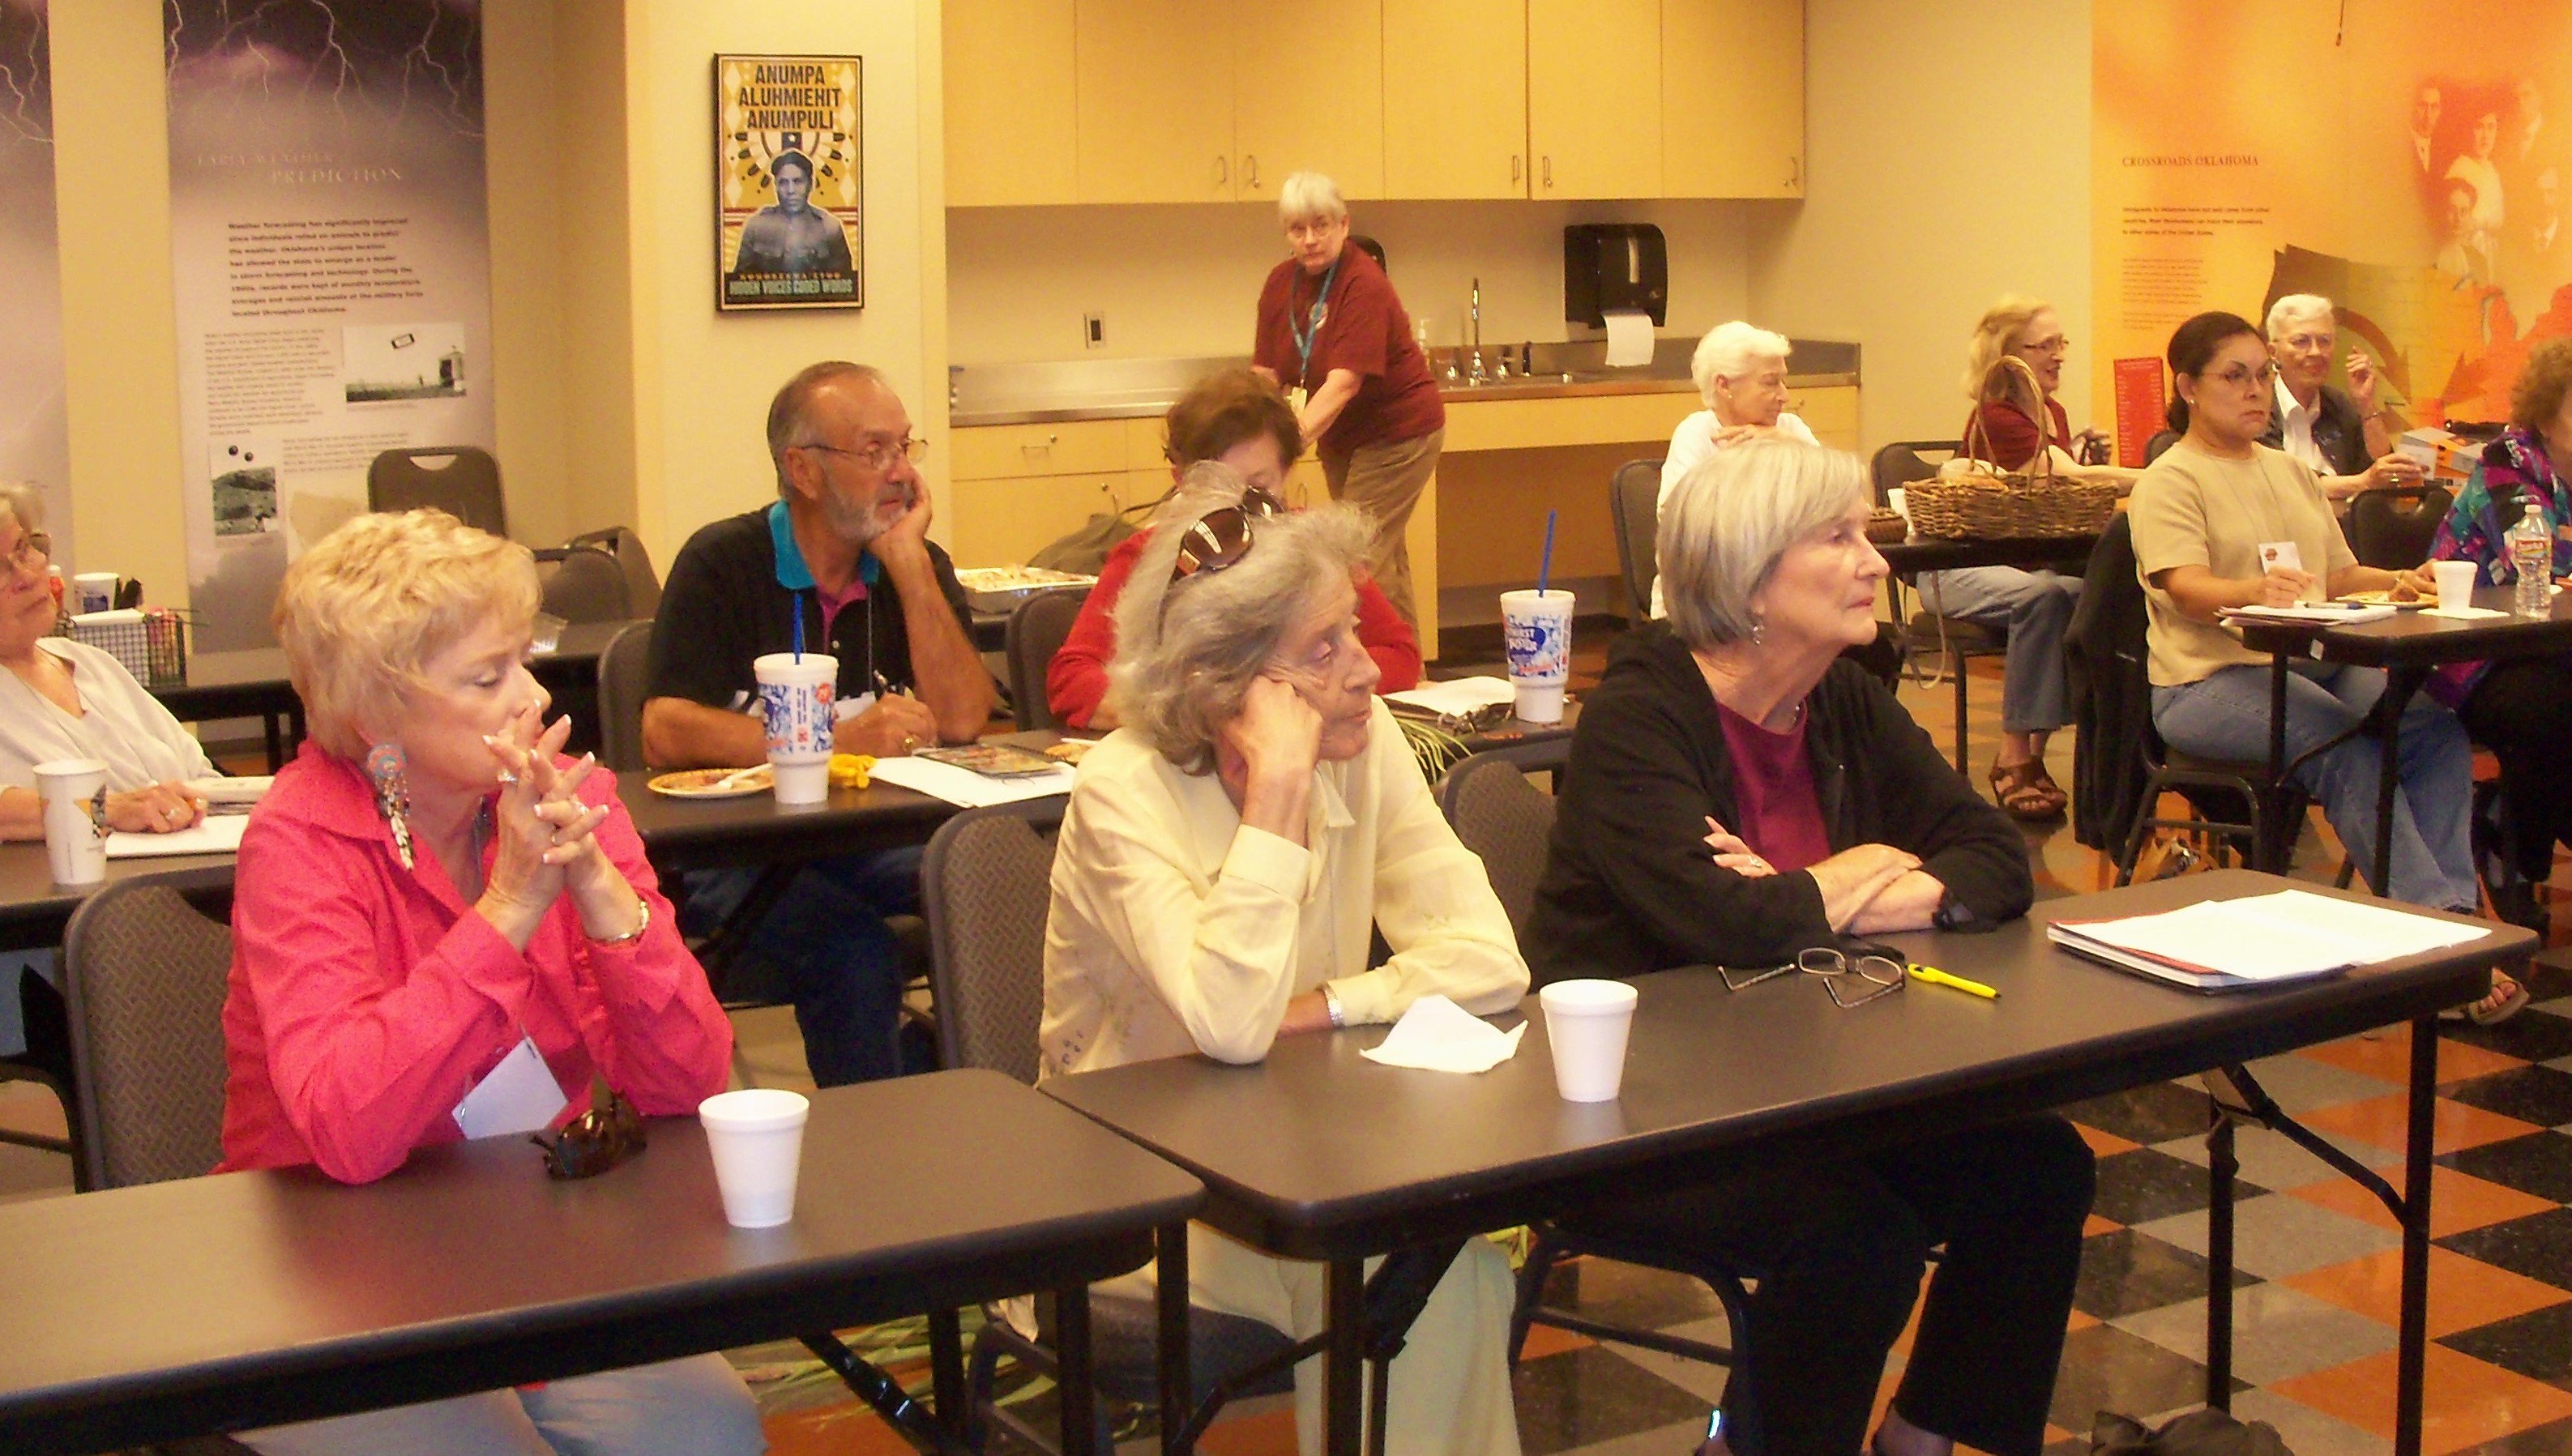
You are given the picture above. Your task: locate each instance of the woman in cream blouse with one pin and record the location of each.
(1222, 860)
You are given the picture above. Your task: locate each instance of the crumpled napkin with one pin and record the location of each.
(2463, 614)
(1436, 1035)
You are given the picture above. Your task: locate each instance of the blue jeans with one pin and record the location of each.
(842, 966)
(2227, 716)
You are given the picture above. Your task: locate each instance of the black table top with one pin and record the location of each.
(34, 910)
(2416, 639)
(1913, 557)
(147, 1313)
(1318, 1153)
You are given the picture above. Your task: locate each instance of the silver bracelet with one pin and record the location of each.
(642, 923)
(1331, 1005)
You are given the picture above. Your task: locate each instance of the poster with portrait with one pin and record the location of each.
(35, 433)
(790, 182)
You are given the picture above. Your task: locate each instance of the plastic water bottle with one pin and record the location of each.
(2531, 551)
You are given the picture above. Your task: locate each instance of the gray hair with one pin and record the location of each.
(789, 413)
(1309, 194)
(1727, 521)
(25, 502)
(1729, 350)
(1187, 651)
(2286, 311)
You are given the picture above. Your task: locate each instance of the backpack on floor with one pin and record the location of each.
(2197, 1433)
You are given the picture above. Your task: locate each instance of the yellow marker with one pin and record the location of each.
(1936, 976)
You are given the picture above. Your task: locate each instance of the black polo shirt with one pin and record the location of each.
(734, 594)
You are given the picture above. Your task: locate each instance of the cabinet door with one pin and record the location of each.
(1003, 522)
(1010, 114)
(1732, 98)
(1455, 99)
(1154, 97)
(1594, 98)
(1286, 116)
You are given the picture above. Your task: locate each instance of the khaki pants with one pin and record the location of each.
(1384, 481)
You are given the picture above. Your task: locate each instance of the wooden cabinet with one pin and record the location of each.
(1594, 72)
(1308, 96)
(1732, 98)
(1020, 488)
(1154, 100)
(1010, 113)
(1455, 99)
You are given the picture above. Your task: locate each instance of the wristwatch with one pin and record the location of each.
(1330, 1004)
(1952, 913)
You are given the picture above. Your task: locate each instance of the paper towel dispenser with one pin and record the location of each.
(1615, 265)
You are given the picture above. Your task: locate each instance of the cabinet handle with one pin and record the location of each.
(1513, 169)
(1032, 446)
(1549, 172)
(1250, 169)
(1794, 171)
(1223, 172)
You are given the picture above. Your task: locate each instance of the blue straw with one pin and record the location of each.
(799, 628)
(1545, 568)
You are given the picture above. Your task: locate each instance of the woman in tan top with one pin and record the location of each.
(2221, 520)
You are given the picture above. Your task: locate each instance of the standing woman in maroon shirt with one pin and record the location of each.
(1332, 333)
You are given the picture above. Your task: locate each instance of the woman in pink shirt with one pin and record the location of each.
(430, 892)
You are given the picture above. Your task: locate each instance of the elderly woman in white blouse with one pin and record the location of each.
(1223, 858)
(1740, 374)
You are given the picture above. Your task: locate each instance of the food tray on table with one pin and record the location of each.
(1001, 588)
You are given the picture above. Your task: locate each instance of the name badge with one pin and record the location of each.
(1296, 396)
(518, 1095)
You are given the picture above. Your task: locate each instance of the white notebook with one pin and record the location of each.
(2217, 945)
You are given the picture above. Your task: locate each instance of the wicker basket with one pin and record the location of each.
(1885, 527)
(1985, 503)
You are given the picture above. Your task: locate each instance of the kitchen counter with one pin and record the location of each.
(1037, 393)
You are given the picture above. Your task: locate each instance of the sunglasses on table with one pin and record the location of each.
(1854, 976)
(610, 1133)
(1220, 538)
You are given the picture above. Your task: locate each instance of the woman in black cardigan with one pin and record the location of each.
(1737, 794)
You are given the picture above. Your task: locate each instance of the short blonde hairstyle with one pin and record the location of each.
(25, 502)
(1727, 352)
(2295, 307)
(2000, 323)
(363, 611)
(1187, 651)
(1728, 520)
(1309, 194)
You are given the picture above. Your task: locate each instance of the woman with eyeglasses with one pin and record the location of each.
(1738, 795)
(2221, 520)
(1224, 858)
(443, 929)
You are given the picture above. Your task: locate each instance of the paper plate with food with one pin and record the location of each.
(714, 783)
(2384, 597)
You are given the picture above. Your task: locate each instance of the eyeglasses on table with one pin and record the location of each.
(1876, 968)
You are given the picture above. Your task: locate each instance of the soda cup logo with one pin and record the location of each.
(799, 718)
(98, 813)
(1538, 647)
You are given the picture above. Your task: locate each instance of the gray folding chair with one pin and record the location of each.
(985, 888)
(642, 582)
(144, 973)
(621, 682)
(1036, 631)
(1504, 819)
(461, 481)
(583, 585)
(1634, 518)
(2394, 527)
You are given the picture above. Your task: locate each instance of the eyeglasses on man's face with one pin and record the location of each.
(878, 455)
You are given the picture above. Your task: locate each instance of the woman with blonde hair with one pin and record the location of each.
(430, 895)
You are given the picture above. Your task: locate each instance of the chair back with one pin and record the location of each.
(583, 585)
(985, 888)
(2159, 444)
(1904, 461)
(1036, 631)
(642, 582)
(145, 973)
(1504, 819)
(466, 485)
(623, 670)
(1634, 517)
(2394, 527)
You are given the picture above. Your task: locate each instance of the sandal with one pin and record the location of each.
(2507, 999)
(2026, 791)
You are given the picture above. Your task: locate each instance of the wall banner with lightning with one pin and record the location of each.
(35, 439)
(331, 238)
(790, 182)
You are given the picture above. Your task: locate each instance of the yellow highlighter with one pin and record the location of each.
(1936, 976)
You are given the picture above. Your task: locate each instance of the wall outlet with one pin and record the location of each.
(1094, 331)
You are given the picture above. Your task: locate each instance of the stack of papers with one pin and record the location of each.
(2293, 935)
(2319, 613)
(220, 834)
(963, 786)
(1459, 698)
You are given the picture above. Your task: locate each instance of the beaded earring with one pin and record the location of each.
(385, 767)
(1759, 631)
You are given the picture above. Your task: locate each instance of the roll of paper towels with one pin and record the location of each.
(1629, 338)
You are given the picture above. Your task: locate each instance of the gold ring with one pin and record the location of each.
(910, 741)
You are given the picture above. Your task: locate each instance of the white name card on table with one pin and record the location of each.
(220, 834)
(1436, 1035)
(1458, 698)
(2218, 944)
(962, 787)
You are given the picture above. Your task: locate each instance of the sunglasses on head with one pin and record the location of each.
(610, 1133)
(1220, 538)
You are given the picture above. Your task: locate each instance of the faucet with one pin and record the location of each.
(1477, 377)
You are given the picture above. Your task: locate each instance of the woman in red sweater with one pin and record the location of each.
(1239, 420)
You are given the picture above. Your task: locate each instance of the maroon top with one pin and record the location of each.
(2012, 434)
(1772, 790)
(1364, 330)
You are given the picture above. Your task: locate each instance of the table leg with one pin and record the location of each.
(1344, 1394)
(1179, 1383)
(947, 1371)
(1078, 1393)
(2412, 1331)
(2276, 844)
(2218, 1259)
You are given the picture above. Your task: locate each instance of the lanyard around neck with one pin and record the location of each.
(1312, 320)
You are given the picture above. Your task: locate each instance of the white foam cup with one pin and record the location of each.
(1535, 631)
(2455, 584)
(795, 696)
(1585, 1022)
(74, 791)
(93, 591)
(757, 1139)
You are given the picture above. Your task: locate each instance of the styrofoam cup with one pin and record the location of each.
(74, 791)
(1536, 633)
(2455, 584)
(795, 695)
(94, 591)
(1585, 1022)
(757, 1139)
